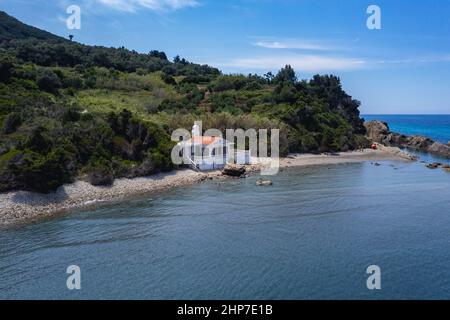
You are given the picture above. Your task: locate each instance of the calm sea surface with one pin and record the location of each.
(310, 236)
(436, 127)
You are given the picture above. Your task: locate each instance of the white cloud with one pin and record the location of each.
(320, 63)
(154, 5)
(291, 44)
(300, 62)
(416, 60)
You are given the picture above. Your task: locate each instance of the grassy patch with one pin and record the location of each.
(105, 101)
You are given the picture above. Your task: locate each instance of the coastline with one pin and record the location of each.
(380, 132)
(22, 206)
(381, 154)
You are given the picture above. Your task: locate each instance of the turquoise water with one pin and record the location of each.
(436, 127)
(310, 236)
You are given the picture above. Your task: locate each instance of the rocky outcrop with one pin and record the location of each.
(418, 143)
(100, 178)
(440, 149)
(395, 151)
(434, 165)
(234, 170)
(146, 168)
(379, 132)
(376, 131)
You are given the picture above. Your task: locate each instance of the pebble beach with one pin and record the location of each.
(20, 206)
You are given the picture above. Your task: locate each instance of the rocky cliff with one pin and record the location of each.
(378, 131)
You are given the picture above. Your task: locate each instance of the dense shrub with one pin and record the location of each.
(6, 68)
(37, 172)
(48, 81)
(168, 79)
(11, 122)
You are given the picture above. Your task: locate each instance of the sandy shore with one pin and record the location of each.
(382, 154)
(22, 206)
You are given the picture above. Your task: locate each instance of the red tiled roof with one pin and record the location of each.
(205, 140)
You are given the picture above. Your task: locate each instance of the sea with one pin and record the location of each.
(317, 233)
(437, 127)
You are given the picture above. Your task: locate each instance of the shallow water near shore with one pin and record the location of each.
(309, 236)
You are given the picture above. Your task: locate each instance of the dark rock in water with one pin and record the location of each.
(440, 149)
(379, 132)
(234, 170)
(101, 178)
(433, 165)
(376, 164)
(419, 143)
(264, 183)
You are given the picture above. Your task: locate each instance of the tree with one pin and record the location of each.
(6, 68)
(286, 75)
(269, 77)
(178, 59)
(39, 140)
(158, 54)
(101, 58)
(285, 92)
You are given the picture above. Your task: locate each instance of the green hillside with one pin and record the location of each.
(11, 28)
(71, 111)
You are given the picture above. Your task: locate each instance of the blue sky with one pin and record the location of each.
(402, 68)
